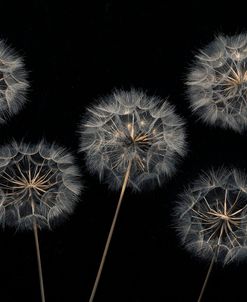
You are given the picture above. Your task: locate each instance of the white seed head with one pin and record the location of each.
(38, 183)
(217, 83)
(131, 126)
(211, 216)
(13, 83)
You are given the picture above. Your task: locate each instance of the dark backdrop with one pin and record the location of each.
(75, 53)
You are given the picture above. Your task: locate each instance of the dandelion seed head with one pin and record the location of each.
(217, 83)
(131, 126)
(212, 216)
(13, 83)
(38, 183)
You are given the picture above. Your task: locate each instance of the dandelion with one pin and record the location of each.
(13, 83)
(217, 83)
(131, 127)
(212, 217)
(38, 185)
(131, 139)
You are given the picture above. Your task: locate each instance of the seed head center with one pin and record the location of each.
(224, 217)
(237, 78)
(31, 185)
(141, 138)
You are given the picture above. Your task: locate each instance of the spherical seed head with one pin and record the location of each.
(130, 126)
(38, 184)
(13, 83)
(217, 83)
(211, 216)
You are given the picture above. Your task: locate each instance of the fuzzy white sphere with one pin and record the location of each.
(211, 216)
(131, 126)
(38, 183)
(13, 83)
(217, 83)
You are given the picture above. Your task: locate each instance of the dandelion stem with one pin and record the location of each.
(126, 177)
(35, 231)
(207, 277)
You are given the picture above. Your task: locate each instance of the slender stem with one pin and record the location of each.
(126, 177)
(207, 276)
(35, 231)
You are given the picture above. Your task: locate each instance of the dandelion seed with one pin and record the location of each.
(212, 217)
(38, 185)
(130, 139)
(13, 83)
(217, 83)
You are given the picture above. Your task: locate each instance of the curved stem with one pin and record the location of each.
(207, 276)
(126, 177)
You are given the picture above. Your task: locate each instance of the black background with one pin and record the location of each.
(75, 52)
